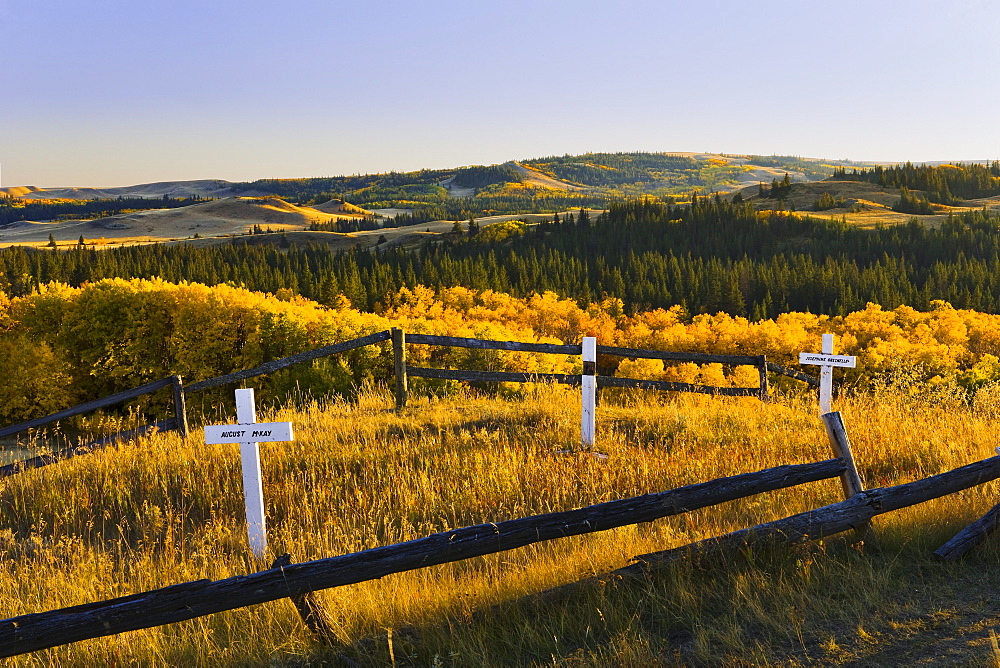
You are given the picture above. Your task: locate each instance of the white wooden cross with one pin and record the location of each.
(826, 361)
(248, 433)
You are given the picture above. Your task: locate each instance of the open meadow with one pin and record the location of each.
(163, 510)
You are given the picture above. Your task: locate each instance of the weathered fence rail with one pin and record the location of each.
(486, 344)
(284, 362)
(404, 370)
(94, 405)
(852, 513)
(492, 376)
(792, 373)
(670, 386)
(33, 632)
(700, 358)
(970, 536)
(85, 448)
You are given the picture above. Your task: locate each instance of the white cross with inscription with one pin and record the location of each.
(826, 361)
(248, 433)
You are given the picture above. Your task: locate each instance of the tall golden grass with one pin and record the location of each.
(359, 475)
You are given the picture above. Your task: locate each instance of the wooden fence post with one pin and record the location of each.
(850, 480)
(970, 536)
(762, 372)
(399, 360)
(312, 612)
(589, 391)
(180, 407)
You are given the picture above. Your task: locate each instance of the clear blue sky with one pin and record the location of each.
(118, 92)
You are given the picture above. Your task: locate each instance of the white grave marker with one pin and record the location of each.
(826, 361)
(248, 433)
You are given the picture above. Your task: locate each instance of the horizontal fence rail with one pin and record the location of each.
(94, 405)
(484, 344)
(792, 373)
(492, 376)
(701, 358)
(671, 386)
(276, 365)
(85, 448)
(843, 516)
(32, 632)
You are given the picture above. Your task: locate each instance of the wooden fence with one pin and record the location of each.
(32, 632)
(28, 633)
(401, 372)
(400, 340)
(178, 422)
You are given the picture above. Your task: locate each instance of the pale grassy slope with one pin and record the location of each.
(179, 189)
(535, 178)
(233, 215)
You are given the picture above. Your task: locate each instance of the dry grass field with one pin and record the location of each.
(359, 475)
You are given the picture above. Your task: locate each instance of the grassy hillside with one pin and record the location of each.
(163, 511)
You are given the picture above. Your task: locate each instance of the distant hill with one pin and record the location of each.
(233, 215)
(534, 186)
(204, 188)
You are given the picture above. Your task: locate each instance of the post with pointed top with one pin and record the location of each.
(589, 383)
(762, 374)
(399, 363)
(180, 407)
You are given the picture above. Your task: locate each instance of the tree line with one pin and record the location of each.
(943, 184)
(711, 256)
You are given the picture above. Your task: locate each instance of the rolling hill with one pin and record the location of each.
(214, 218)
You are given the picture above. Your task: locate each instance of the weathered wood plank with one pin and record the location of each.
(85, 448)
(94, 405)
(482, 344)
(492, 376)
(701, 358)
(792, 373)
(841, 445)
(180, 406)
(670, 386)
(399, 366)
(970, 536)
(765, 389)
(308, 605)
(32, 632)
(298, 358)
(852, 513)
